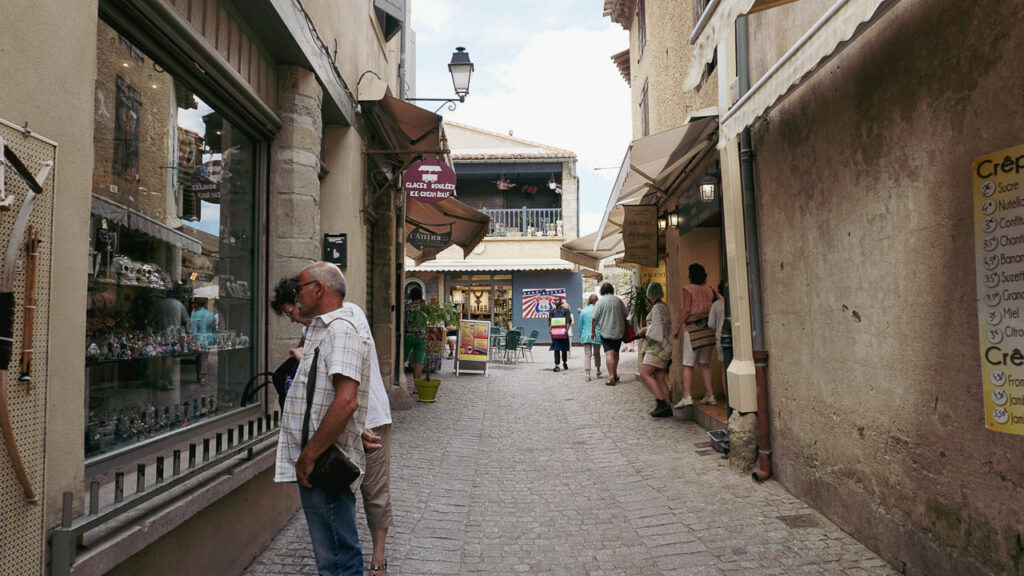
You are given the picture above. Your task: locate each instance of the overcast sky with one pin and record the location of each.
(543, 70)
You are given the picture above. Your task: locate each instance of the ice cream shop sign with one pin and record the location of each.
(429, 181)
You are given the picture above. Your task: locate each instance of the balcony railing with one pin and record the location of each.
(525, 222)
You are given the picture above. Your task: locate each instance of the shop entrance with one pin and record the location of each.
(482, 297)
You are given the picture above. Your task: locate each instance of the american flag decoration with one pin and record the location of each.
(537, 303)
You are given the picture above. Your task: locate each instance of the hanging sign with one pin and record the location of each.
(999, 263)
(422, 239)
(640, 234)
(428, 181)
(538, 303)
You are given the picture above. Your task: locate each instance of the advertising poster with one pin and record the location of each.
(999, 262)
(474, 340)
(474, 346)
(537, 303)
(640, 234)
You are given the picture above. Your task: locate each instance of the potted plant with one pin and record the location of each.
(639, 306)
(432, 317)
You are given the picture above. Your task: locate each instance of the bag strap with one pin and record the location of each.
(310, 389)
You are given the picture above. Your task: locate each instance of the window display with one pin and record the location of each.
(172, 257)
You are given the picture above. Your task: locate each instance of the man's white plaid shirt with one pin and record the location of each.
(344, 339)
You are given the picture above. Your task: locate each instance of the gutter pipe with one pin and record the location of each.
(764, 449)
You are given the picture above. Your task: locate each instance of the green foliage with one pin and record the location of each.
(636, 298)
(433, 314)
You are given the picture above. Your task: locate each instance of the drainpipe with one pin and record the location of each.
(402, 71)
(764, 449)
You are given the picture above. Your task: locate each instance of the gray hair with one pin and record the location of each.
(330, 276)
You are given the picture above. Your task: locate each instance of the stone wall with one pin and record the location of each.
(294, 223)
(865, 215)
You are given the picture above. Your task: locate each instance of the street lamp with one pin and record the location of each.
(461, 69)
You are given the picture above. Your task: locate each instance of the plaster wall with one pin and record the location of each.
(353, 25)
(662, 65)
(865, 214)
(33, 64)
(340, 203)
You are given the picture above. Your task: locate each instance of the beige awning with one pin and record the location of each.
(467, 225)
(713, 27)
(492, 265)
(826, 38)
(581, 251)
(657, 162)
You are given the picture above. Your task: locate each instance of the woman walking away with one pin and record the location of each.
(698, 338)
(655, 350)
(558, 324)
(591, 344)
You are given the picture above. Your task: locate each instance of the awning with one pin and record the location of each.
(468, 226)
(713, 27)
(125, 216)
(537, 264)
(827, 37)
(407, 127)
(657, 162)
(581, 251)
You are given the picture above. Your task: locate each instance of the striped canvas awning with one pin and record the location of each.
(827, 37)
(657, 162)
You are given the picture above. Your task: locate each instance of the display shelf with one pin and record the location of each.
(89, 363)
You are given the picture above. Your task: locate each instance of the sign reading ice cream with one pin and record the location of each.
(999, 260)
(429, 181)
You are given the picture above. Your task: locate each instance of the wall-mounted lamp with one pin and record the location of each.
(708, 184)
(662, 224)
(673, 219)
(461, 69)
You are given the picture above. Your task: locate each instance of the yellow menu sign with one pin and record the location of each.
(999, 262)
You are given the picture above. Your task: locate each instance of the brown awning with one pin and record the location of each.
(468, 226)
(409, 128)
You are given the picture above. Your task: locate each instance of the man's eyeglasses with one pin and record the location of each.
(301, 285)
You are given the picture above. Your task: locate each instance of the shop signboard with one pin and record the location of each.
(999, 263)
(640, 234)
(428, 181)
(659, 275)
(474, 346)
(424, 239)
(537, 303)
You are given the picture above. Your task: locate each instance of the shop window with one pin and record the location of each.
(172, 261)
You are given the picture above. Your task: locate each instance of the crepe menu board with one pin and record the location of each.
(998, 199)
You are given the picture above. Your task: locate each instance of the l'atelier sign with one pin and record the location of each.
(640, 235)
(421, 239)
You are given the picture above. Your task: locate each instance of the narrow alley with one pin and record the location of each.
(527, 471)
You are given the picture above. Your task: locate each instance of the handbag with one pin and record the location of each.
(701, 334)
(630, 334)
(333, 470)
(282, 378)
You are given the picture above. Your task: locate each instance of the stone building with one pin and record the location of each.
(870, 248)
(207, 148)
(529, 191)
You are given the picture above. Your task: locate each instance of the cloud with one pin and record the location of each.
(562, 90)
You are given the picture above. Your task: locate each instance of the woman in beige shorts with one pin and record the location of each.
(656, 350)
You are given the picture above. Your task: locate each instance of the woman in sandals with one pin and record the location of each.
(656, 350)
(698, 340)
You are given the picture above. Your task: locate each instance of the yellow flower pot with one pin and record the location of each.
(426, 390)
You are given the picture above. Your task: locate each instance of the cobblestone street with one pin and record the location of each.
(528, 471)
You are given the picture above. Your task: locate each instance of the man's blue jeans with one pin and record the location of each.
(332, 527)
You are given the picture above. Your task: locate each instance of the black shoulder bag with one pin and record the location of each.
(333, 470)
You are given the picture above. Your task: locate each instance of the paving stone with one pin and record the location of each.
(529, 472)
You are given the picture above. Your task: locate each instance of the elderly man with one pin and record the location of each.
(337, 417)
(610, 318)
